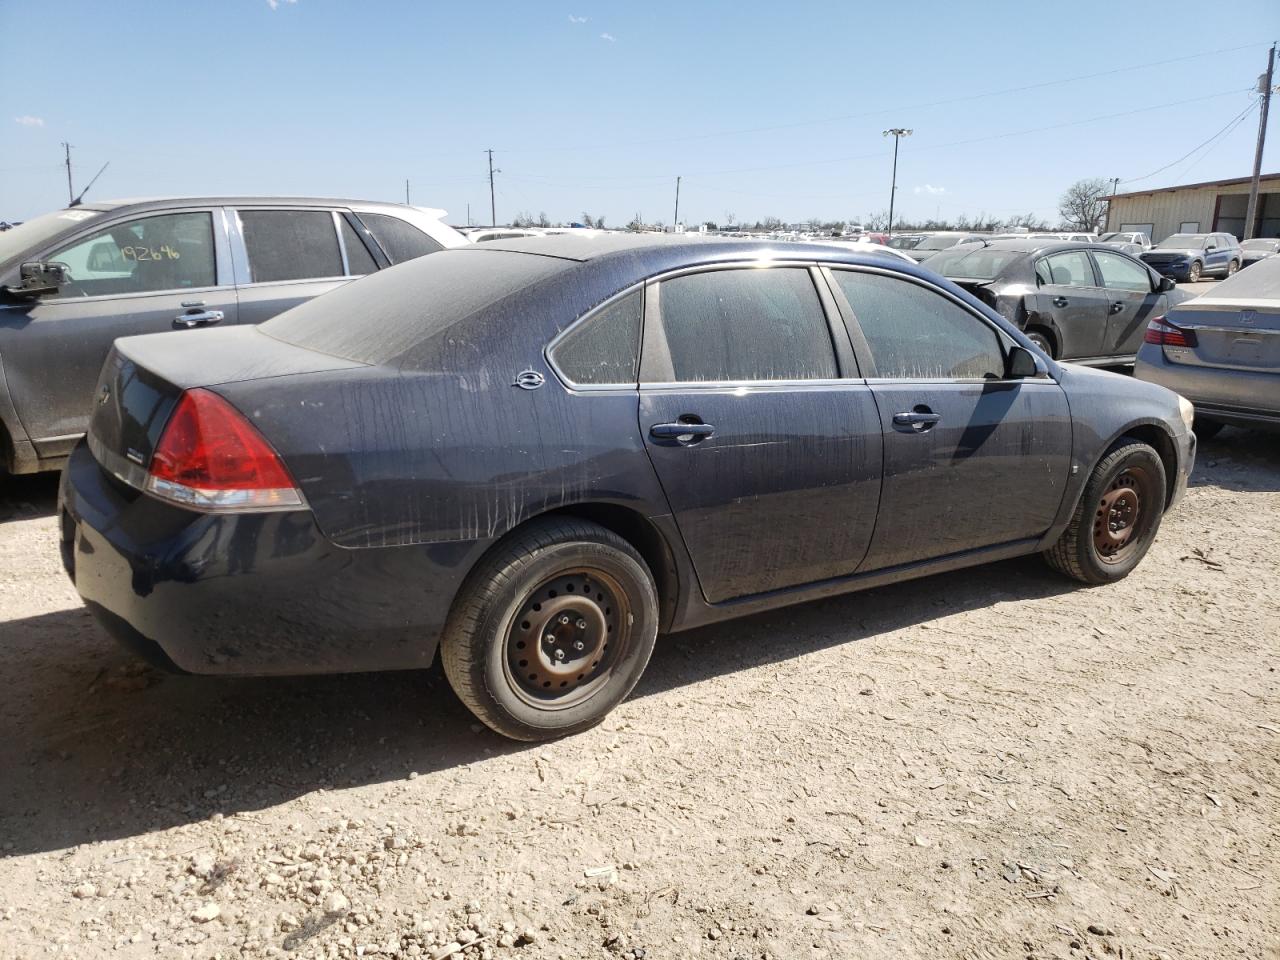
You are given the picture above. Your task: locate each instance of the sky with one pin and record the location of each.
(763, 109)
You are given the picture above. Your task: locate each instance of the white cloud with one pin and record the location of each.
(573, 19)
(275, 4)
(930, 189)
(29, 121)
(608, 36)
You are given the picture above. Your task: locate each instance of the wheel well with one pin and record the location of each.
(1159, 440)
(638, 531)
(1047, 334)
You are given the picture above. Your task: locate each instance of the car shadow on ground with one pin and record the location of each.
(1238, 459)
(29, 496)
(96, 746)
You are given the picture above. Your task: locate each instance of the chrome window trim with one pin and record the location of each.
(342, 244)
(548, 352)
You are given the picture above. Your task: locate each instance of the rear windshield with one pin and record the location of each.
(26, 239)
(380, 317)
(975, 263)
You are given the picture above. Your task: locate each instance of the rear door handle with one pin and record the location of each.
(197, 318)
(1060, 301)
(1117, 306)
(681, 432)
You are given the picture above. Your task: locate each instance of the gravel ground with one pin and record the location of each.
(992, 763)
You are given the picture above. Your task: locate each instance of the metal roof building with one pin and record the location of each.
(1215, 205)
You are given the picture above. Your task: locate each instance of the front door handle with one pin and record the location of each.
(197, 318)
(1117, 306)
(1060, 301)
(685, 433)
(919, 419)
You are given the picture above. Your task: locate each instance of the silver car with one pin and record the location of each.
(1222, 351)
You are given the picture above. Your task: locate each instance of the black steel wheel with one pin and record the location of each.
(1117, 517)
(552, 629)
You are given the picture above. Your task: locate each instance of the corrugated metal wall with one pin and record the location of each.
(1169, 210)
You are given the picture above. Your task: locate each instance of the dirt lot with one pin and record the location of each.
(994, 763)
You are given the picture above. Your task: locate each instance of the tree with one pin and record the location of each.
(730, 219)
(637, 223)
(600, 222)
(542, 220)
(1084, 204)
(522, 219)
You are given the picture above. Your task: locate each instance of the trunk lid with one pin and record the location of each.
(143, 378)
(1231, 334)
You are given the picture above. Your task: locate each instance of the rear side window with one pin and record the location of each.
(605, 347)
(917, 334)
(359, 260)
(1071, 269)
(749, 324)
(173, 251)
(290, 245)
(1120, 273)
(401, 240)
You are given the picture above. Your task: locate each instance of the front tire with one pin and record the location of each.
(1193, 274)
(552, 630)
(1116, 519)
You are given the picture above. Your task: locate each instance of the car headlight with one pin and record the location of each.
(1187, 411)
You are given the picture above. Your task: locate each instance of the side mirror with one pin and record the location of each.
(37, 278)
(1166, 284)
(1020, 364)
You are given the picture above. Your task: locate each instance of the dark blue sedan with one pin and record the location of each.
(534, 456)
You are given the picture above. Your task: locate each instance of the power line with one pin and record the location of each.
(1231, 125)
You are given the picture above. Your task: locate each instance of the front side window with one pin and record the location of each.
(917, 334)
(1120, 273)
(748, 324)
(1071, 269)
(605, 347)
(290, 245)
(173, 251)
(401, 240)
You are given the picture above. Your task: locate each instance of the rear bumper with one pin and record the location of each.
(249, 594)
(1239, 397)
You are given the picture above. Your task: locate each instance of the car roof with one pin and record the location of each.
(144, 203)
(1028, 245)
(567, 246)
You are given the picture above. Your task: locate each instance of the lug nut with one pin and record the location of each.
(559, 654)
(564, 619)
(582, 624)
(579, 645)
(549, 638)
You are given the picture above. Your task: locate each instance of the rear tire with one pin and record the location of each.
(1116, 519)
(1042, 339)
(1232, 267)
(1206, 429)
(552, 630)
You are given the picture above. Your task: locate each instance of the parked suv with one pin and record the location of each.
(1190, 256)
(73, 281)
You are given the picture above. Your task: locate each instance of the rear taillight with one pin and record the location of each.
(211, 458)
(1165, 334)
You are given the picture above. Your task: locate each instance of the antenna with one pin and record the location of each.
(76, 201)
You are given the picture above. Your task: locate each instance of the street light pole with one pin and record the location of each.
(897, 133)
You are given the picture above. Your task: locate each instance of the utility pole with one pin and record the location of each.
(493, 209)
(675, 220)
(897, 133)
(1251, 214)
(1115, 182)
(406, 192)
(468, 214)
(71, 194)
